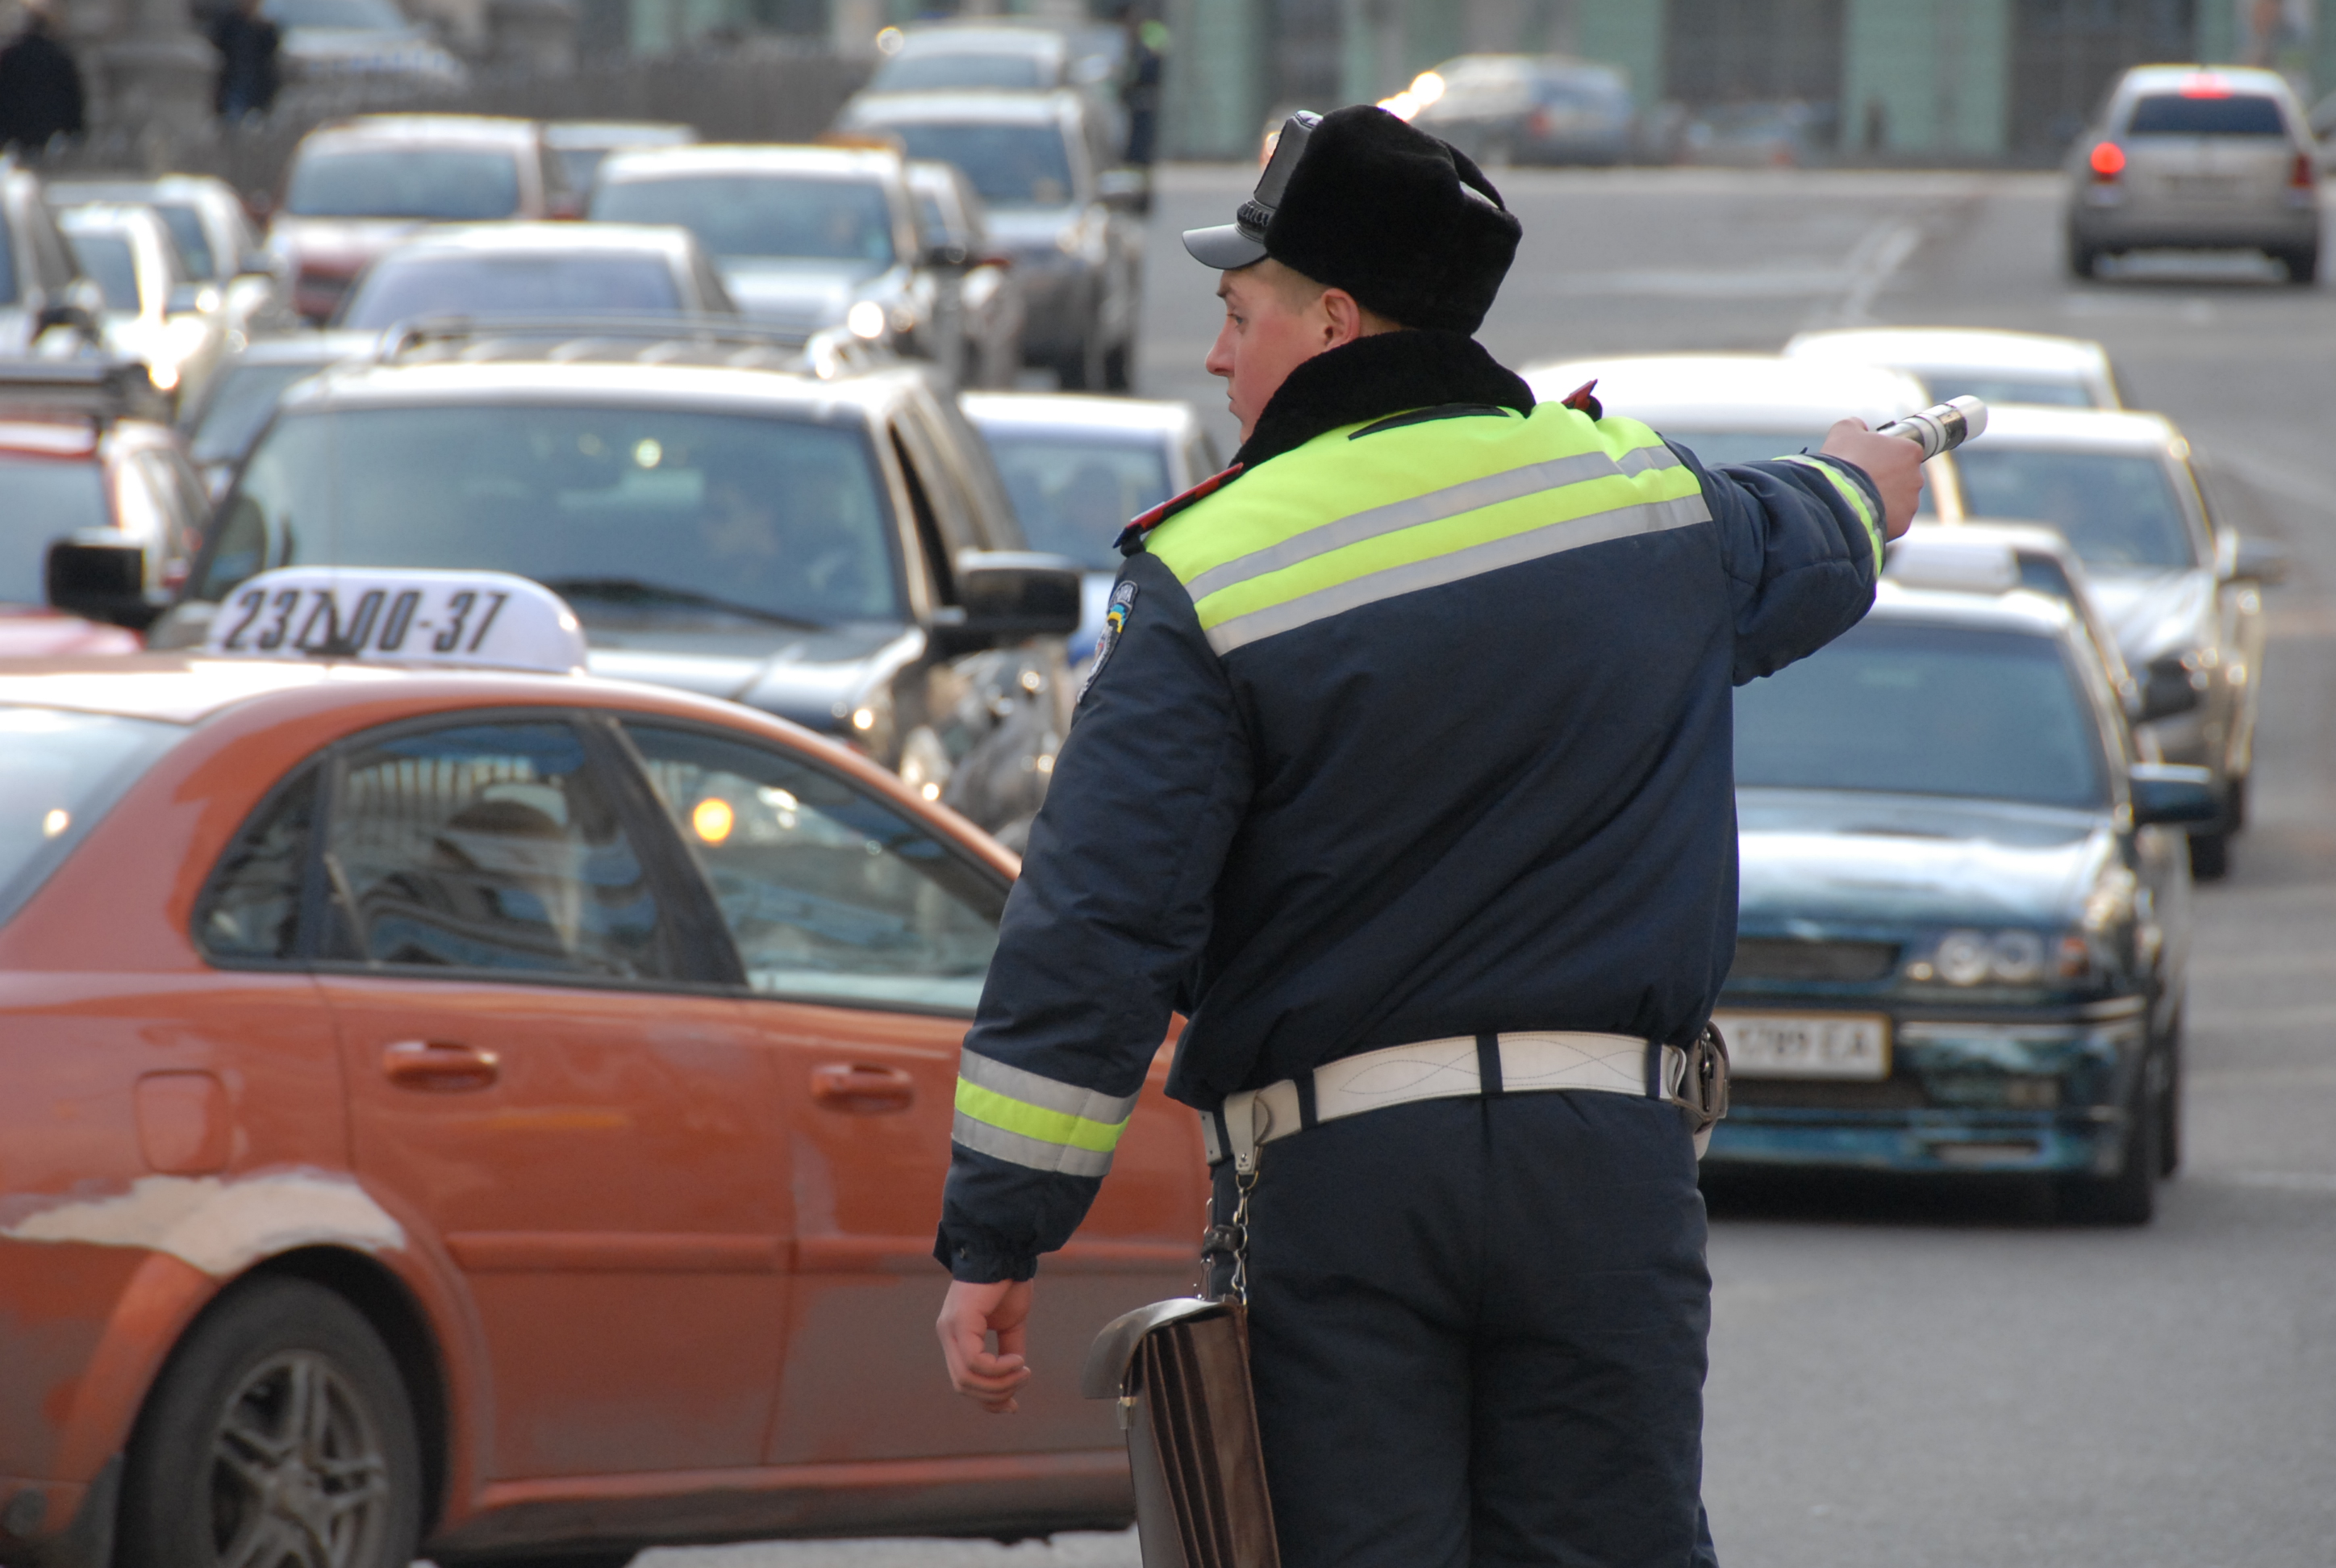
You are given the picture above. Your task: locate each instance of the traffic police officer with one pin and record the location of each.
(1404, 770)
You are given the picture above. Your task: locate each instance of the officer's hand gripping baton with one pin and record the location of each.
(1941, 427)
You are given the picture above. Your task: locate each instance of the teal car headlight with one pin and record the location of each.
(2013, 956)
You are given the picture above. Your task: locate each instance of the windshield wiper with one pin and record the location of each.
(632, 590)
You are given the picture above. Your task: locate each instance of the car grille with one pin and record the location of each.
(1782, 959)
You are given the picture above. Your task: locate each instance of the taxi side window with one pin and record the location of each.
(252, 909)
(829, 894)
(488, 846)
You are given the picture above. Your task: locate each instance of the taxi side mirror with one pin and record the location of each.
(1005, 594)
(103, 578)
(2166, 793)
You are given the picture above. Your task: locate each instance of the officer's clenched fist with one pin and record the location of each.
(969, 1315)
(1892, 462)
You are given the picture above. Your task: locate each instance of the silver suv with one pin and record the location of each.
(2193, 158)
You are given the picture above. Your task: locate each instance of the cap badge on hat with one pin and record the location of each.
(1229, 247)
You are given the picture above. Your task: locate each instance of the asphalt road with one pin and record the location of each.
(1920, 1377)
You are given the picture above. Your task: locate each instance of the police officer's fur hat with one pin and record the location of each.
(1360, 200)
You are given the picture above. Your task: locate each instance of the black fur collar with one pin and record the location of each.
(1372, 377)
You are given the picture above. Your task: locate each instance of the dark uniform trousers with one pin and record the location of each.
(1477, 1330)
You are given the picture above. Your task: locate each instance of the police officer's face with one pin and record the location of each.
(1275, 321)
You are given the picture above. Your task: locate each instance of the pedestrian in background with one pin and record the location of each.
(249, 74)
(1147, 43)
(1405, 771)
(40, 85)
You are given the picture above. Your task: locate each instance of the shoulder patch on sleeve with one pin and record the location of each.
(1115, 621)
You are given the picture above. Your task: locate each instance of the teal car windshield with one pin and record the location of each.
(1075, 492)
(59, 772)
(1936, 710)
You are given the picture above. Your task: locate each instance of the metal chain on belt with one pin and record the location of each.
(1231, 1239)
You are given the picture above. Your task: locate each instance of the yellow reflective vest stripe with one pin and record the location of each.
(1341, 523)
(1014, 1115)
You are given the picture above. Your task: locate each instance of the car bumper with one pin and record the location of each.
(1967, 1095)
(2150, 225)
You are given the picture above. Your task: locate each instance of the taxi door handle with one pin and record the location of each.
(440, 1066)
(858, 1090)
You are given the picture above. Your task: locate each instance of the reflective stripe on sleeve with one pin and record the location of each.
(1016, 1115)
(1853, 493)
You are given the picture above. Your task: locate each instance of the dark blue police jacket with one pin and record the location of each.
(1417, 727)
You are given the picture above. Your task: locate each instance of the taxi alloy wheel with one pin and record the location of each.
(279, 1436)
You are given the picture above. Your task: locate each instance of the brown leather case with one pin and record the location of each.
(1179, 1371)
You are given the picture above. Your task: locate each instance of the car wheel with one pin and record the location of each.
(1082, 369)
(2130, 1197)
(2234, 804)
(2302, 264)
(278, 1432)
(2082, 258)
(2210, 856)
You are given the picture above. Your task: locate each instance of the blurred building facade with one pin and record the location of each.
(1915, 80)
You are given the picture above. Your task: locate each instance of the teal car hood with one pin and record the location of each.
(1842, 857)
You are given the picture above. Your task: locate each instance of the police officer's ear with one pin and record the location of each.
(1345, 318)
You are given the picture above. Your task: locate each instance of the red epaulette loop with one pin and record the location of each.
(1130, 538)
(1580, 400)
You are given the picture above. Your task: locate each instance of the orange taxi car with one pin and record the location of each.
(495, 1114)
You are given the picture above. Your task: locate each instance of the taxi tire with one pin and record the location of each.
(167, 1518)
(2302, 263)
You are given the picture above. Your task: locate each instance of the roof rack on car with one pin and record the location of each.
(684, 339)
(102, 390)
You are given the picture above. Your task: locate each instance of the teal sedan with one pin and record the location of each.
(1965, 909)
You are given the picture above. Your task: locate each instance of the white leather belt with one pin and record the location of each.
(1453, 1069)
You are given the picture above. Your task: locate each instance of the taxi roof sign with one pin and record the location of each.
(399, 616)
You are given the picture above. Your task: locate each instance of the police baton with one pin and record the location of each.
(1942, 427)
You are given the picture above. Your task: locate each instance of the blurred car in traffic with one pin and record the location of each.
(364, 42)
(1992, 366)
(1079, 469)
(1968, 555)
(2191, 158)
(1039, 162)
(1006, 53)
(239, 402)
(153, 312)
(837, 551)
(1783, 134)
(1965, 913)
(502, 270)
(583, 145)
(806, 237)
(1749, 407)
(501, 1113)
(359, 186)
(87, 457)
(1531, 108)
(956, 233)
(217, 243)
(2183, 593)
(41, 284)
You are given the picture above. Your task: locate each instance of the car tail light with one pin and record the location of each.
(2107, 161)
(1539, 124)
(2303, 176)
